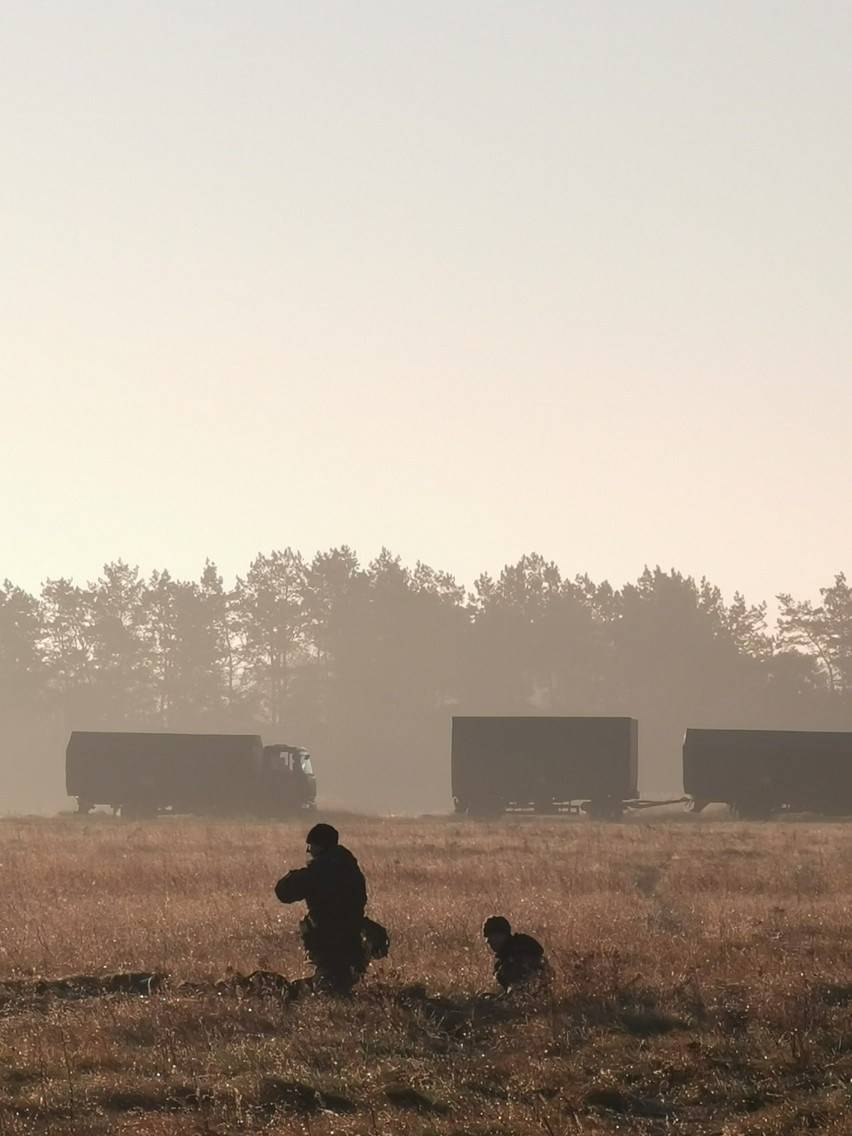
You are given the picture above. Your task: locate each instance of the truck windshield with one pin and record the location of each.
(305, 762)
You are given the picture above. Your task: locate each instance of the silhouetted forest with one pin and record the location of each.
(365, 666)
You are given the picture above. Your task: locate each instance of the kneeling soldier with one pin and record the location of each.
(518, 959)
(332, 885)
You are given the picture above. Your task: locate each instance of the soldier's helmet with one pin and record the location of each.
(496, 925)
(322, 836)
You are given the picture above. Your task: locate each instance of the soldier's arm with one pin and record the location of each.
(294, 886)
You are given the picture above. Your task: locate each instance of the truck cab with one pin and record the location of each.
(288, 778)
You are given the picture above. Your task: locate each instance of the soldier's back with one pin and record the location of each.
(519, 959)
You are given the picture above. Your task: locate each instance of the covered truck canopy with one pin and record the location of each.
(763, 771)
(161, 770)
(500, 762)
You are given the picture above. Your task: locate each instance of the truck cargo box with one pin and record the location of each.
(544, 763)
(761, 772)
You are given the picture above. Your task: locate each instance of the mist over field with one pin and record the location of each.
(515, 338)
(365, 665)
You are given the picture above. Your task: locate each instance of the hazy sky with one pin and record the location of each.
(468, 279)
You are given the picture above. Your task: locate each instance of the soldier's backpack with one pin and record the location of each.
(376, 938)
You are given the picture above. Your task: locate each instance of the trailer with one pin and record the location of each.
(145, 774)
(544, 764)
(761, 773)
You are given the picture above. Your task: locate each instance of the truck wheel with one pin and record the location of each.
(546, 808)
(751, 810)
(605, 810)
(137, 810)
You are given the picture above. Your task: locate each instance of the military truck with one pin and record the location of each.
(544, 764)
(145, 774)
(760, 773)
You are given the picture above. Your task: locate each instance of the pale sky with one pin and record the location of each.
(466, 279)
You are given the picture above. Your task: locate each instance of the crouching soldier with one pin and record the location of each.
(518, 959)
(332, 885)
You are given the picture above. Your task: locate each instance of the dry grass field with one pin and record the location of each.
(702, 981)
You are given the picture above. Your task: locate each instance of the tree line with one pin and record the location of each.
(365, 665)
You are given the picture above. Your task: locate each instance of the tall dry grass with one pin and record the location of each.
(701, 980)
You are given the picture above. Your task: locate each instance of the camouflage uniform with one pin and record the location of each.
(332, 885)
